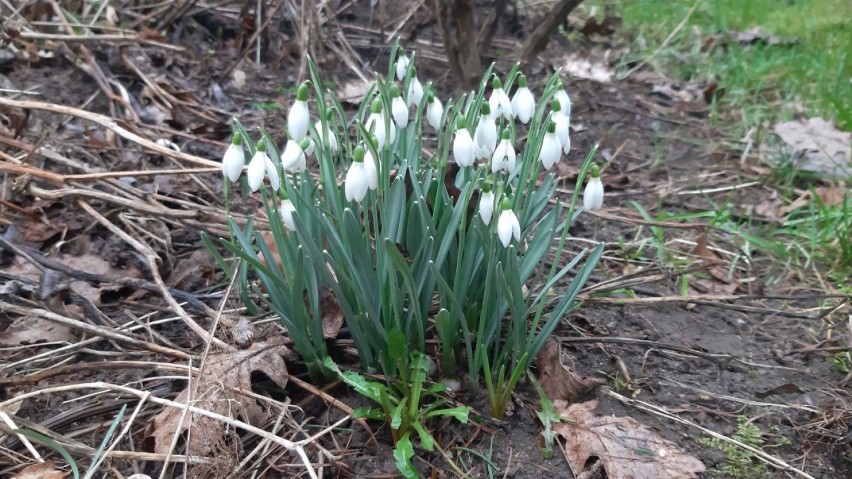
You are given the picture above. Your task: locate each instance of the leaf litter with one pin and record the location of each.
(625, 447)
(218, 390)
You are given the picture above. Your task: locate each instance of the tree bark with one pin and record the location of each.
(541, 35)
(460, 40)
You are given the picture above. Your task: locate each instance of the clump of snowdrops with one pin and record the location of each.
(426, 220)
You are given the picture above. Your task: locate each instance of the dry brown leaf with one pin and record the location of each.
(42, 470)
(625, 447)
(353, 92)
(33, 330)
(88, 263)
(828, 195)
(332, 317)
(713, 265)
(820, 146)
(217, 391)
(557, 381)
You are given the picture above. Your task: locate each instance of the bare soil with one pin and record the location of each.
(739, 346)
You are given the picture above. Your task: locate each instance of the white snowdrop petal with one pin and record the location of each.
(401, 67)
(593, 195)
(400, 112)
(415, 92)
(563, 131)
(486, 207)
(508, 227)
(463, 148)
(434, 113)
(286, 209)
(370, 170)
(356, 182)
(233, 162)
(523, 105)
(272, 171)
(256, 170)
(298, 119)
(550, 150)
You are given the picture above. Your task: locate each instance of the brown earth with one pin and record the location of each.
(752, 343)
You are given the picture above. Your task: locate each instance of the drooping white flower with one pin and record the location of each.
(234, 159)
(486, 204)
(485, 136)
(563, 126)
(508, 225)
(298, 118)
(463, 145)
(551, 148)
(399, 109)
(286, 209)
(293, 159)
(415, 90)
(593, 195)
(332, 138)
(523, 103)
(357, 181)
(371, 170)
(504, 155)
(434, 110)
(260, 166)
(378, 125)
(499, 101)
(401, 66)
(564, 101)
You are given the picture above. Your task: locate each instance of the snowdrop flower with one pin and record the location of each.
(357, 181)
(377, 125)
(563, 126)
(486, 204)
(371, 170)
(286, 209)
(293, 158)
(508, 225)
(328, 133)
(550, 147)
(415, 90)
(594, 193)
(523, 103)
(260, 166)
(504, 155)
(299, 117)
(234, 158)
(401, 66)
(399, 109)
(485, 136)
(434, 110)
(463, 145)
(499, 100)
(564, 101)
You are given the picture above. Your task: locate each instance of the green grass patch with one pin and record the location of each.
(809, 68)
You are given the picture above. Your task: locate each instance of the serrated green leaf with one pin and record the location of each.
(403, 452)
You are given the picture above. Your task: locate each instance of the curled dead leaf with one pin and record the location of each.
(42, 470)
(218, 390)
(557, 381)
(625, 447)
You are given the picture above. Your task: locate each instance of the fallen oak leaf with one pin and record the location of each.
(42, 470)
(558, 381)
(625, 447)
(217, 390)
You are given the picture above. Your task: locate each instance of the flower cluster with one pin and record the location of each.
(402, 230)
